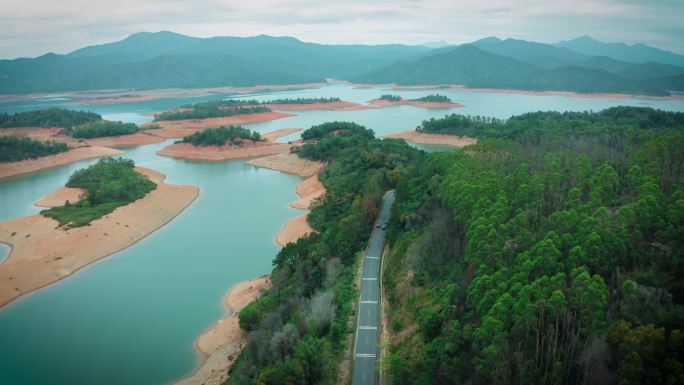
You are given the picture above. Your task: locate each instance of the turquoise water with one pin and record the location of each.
(132, 318)
(4, 252)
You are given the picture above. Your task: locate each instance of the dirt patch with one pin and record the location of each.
(137, 139)
(289, 163)
(74, 155)
(225, 152)
(42, 253)
(435, 139)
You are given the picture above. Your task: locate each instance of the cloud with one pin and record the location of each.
(34, 27)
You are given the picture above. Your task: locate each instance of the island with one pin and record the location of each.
(226, 143)
(119, 204)
(429, 101)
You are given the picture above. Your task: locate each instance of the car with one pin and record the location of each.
(384, 226)
(378, 225)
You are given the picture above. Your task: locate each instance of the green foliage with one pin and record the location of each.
(332, 138)
(550, 252)
(299, 326)
(50, 117)
(221, 135)
(434, 99)
(101, 129)
(202, 111)
(391, 98)
(15, 148)
(108, 184)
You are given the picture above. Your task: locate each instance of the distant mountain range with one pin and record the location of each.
(166, 59)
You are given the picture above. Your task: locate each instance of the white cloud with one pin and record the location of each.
(33, 27)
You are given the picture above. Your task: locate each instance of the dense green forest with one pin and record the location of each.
(203, 110)
(100, 129)
(221, 135)
(15, 148)
(50, 117)
(551, 252)
(390, 98)
(434, 98)
(299, 326)
(108, 184)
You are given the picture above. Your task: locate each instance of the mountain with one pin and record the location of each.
(539, 54)
(167, 59)
(471, 66)
(637, 53)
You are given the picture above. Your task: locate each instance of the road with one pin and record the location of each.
(366, 341)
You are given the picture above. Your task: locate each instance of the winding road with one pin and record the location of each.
(367, 322)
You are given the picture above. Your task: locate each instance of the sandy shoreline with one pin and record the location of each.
(60, 196)
(289, 163)
(43, 254)
(415, 103)
(292, 230)
(309, 191)
(27, 166)
(434, 139)
(221, 344)
(183, 128)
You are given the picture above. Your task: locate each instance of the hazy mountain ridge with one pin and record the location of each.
(168, 59)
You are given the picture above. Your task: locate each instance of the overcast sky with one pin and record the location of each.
(34, 27)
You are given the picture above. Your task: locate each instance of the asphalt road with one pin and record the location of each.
(366, 341)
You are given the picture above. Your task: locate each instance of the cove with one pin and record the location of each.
(131, 318)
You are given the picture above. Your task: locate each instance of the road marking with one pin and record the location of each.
(368, 327)
(369, 279)
(372, 257)
(369, 302)
(365, 355)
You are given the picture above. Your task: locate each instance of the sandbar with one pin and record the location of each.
(289, 163)
(434, 139)
(309, 191)
(221, 344)
(337, 106)
(225, 152)
(60, 196)
(183, 128)
(293, 229)
(42, 253)
(415, 103)
(74, 155)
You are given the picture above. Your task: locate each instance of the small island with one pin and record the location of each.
(226, 143)
(429, 101)
(117, 205)
(16, 148)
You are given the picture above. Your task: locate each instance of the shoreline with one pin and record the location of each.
(220, 344)
(433, 139)
(56, 245)
(185, 127)
(28, 166)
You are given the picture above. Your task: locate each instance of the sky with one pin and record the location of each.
(31, 28)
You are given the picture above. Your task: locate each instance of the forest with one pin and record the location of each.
(108, 184)
(551, 252)
(299, 327)
(16, 148)
(50, 117)
(390, 98)
(221, 135)
(203, 110)
(100, 129)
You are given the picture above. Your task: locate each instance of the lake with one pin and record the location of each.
(131, 318)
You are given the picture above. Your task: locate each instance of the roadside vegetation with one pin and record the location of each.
(551, 252)
(50, 117)
(219, 136)
(16, 148)
(299, 326)
(108, 184)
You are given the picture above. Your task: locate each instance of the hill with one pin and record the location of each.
(637, 53)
